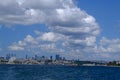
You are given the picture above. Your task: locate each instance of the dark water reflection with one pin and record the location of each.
(38, 72)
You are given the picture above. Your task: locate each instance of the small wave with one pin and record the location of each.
(47, 79)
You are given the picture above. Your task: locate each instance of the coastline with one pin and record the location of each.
(58, 65)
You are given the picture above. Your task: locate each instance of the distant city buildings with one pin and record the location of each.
(26, 57)
(53, 60)
(41, 60)
(8, 56)
(2, 58)
(57, 57)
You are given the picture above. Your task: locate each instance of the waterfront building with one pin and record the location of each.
(2, 58)
(51, 58)
(57, 57)
(36, 57)
(8, 56)
(26, 57)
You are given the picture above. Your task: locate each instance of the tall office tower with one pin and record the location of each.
(51, 58)
(36, 57)
(26, 57)
(7, 56)
(57, 57)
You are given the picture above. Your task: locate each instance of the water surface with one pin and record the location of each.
(45, 72)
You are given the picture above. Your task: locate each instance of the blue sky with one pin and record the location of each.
(106, 12)
(76, 29)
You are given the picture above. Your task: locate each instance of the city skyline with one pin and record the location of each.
(74, 29)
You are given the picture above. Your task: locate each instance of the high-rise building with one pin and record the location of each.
(64, 58)
(2, 58)
(43, 57)
(26, 57)
(57, 57)
(36, 57)
(8, 56)
(51, 58)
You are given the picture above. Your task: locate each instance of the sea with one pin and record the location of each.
(57, 72)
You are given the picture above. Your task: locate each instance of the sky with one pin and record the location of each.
(75, 29)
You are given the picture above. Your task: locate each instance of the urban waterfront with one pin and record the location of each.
(60, 40)
(54, 60)
(57, 68)
(54, 72)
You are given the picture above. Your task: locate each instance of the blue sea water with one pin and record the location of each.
(45, 72)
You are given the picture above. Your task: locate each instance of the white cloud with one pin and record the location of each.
(21, 45)
(50, 36)
(72, 30)
(42, 4)
(37, 32)
(70, 27)
(49, 48)
(108, 49)
(60, 16)
(44, 43)
(29, 39)
(10, 7)
(20, 2)
(110, 45)
(15, 48)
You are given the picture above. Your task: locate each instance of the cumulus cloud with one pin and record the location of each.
(30, 12)
(42, 4)
(50, 36)
(72, 31)
(111, 46)
(46, 42)
(29, 39)
(70, 27)
(10, 7)
(107, 49)
(15, 48)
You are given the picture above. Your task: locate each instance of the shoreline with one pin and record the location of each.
(60, 65)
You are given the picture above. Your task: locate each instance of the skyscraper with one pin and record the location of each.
(57, 57)
(51, 58)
